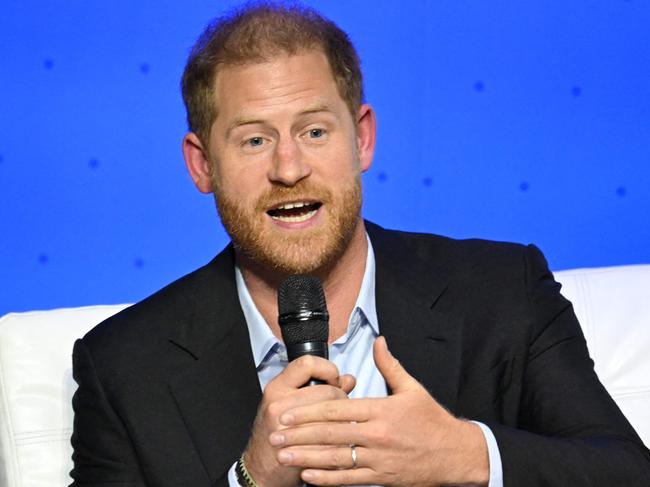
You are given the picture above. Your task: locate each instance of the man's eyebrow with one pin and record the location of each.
(317, 109)
(245, 120)
(240, 121)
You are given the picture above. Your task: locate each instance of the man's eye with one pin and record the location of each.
(255, 141)
(316, 133)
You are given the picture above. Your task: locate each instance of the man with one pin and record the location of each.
(170, 390)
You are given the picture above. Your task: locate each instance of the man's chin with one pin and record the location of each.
(292, 258)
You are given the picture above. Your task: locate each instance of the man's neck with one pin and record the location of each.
(341, 283)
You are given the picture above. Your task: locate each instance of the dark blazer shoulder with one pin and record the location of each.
(156, 380)
(450, 256)
(167, 313)
(509, 281)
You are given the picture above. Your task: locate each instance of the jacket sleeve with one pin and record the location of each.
(103, 453)
(570, 431)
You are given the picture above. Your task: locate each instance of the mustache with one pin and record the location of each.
(303, 190)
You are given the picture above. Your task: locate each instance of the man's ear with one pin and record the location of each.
(197, 162)
(366, 135)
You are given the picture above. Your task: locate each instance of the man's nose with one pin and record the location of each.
(288, 166)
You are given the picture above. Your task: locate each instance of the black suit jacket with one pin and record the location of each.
(168, 390)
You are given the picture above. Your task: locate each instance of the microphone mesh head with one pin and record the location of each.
(302, 309)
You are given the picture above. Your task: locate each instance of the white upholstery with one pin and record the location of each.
(36, 388)
(36, 384)
(613, 306)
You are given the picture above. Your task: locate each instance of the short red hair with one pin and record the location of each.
(255, 33)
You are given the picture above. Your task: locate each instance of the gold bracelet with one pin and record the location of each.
(243, 477)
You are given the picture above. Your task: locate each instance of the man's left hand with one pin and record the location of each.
(406, 439)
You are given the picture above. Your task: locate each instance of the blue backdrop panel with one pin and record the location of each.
(525, 121)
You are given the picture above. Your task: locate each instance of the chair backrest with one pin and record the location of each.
(36, 388)
(613, 306)
(36, 384)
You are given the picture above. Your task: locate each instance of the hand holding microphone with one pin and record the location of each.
(303, 319)
(390, 434)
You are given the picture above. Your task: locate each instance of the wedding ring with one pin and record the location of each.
(353, 450)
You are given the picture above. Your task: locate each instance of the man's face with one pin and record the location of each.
(285, 163)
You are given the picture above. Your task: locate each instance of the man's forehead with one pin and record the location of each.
(271, 54)
(314, 107)
(312, 57)
(302, 82)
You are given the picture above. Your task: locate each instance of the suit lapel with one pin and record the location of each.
(414, 311)
(217, 393)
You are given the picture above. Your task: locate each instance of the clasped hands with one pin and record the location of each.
(406, 439)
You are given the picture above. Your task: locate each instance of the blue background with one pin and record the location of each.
(523, 121)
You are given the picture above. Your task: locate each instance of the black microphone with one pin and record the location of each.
(303, 318)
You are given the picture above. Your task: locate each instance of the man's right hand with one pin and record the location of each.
(281, 394)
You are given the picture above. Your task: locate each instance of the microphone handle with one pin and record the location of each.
(296, 350)
(319, 349)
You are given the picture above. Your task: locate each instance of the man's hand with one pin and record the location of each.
(406, 439)
(285, 392)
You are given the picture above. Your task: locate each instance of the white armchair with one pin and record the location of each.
(36, 386)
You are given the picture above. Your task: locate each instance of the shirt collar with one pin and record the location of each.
(366, 298)
(263, 341)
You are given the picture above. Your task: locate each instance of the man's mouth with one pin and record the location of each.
(294, 212)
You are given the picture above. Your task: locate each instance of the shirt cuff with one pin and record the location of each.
(494, 456)
(232, 475)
